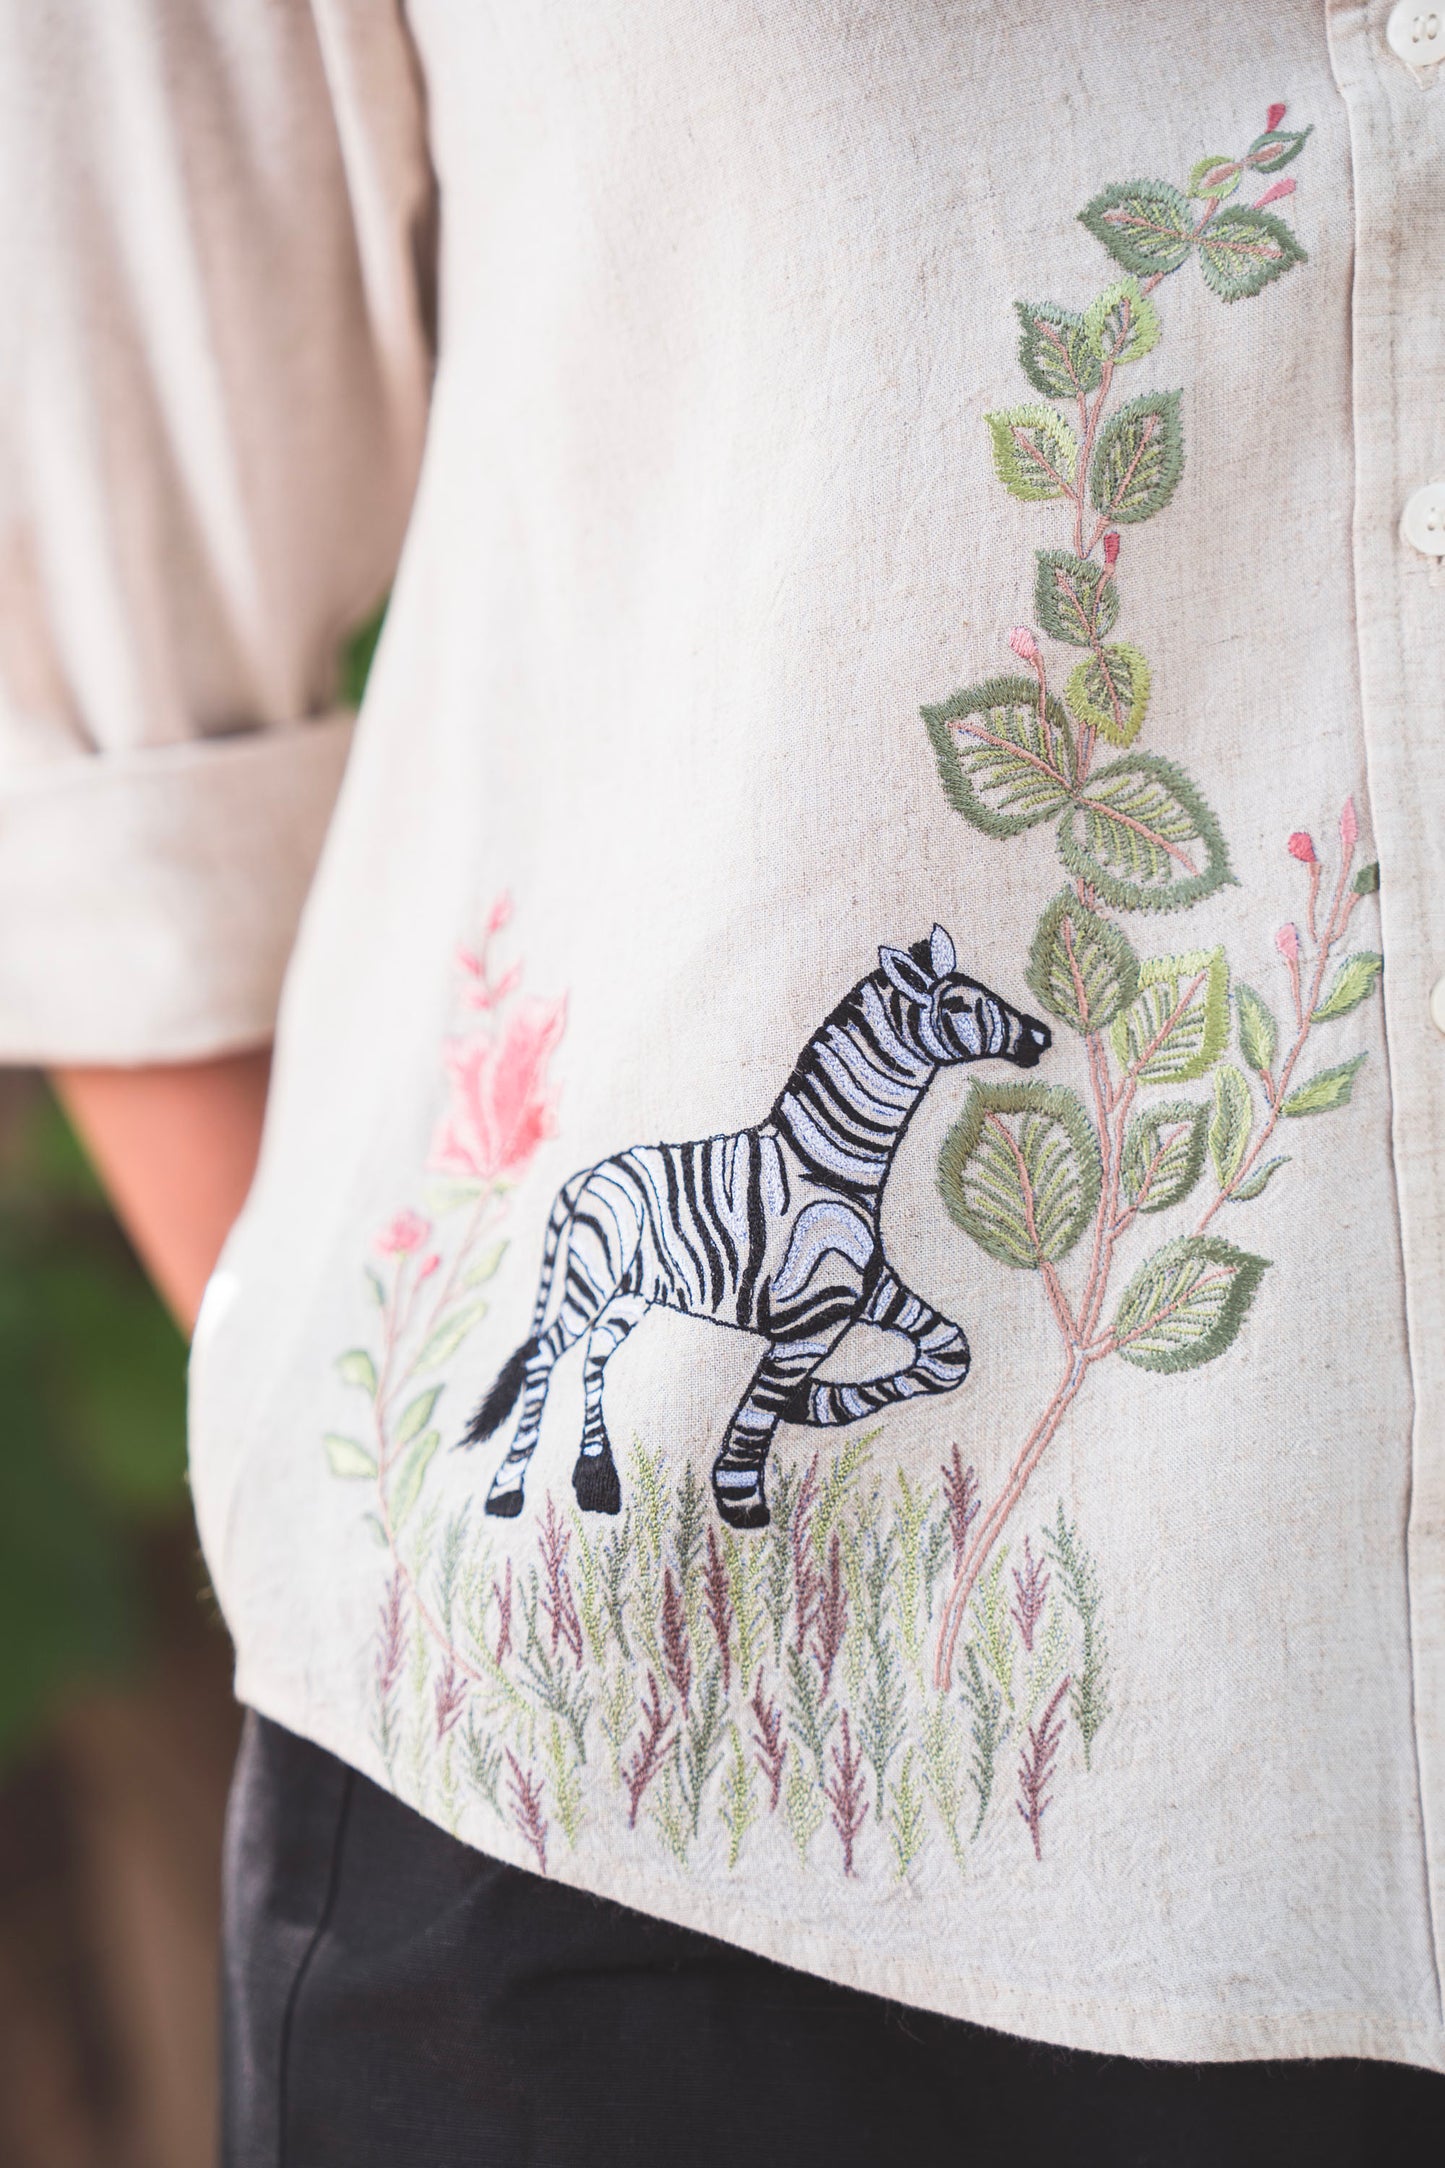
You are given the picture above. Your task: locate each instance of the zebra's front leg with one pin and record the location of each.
(940, 1362)
(739, 1470)
(594, 1478)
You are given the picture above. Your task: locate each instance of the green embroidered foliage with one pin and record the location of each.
(417, 1414)
(1258, 1031)
(1081, 967)
(1143, 838)
(1163, 1155)
(1057, 352)
(1367, 880)
(1175, 1028)
(1186, 1303)
(1109, 692)
(1145, 225)
(1019, 1171)
(1214, 178)
(1323, 1093)
(1276, 148)
(407, 1488)
(1076, 600)
(1231, 1124)
(1004, 764)
(1122, 323)
(357, 1368)
(1035, 454)
(1259, 1180)
(1139, 459)
(347, 1457)
(1353, 983)
(1242, 250)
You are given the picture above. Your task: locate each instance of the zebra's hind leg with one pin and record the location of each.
(505, 1498)
(594, 1478)
(739, 1470)
(940, 1361)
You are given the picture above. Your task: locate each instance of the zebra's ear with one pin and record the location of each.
(941, 953)
(912, 981)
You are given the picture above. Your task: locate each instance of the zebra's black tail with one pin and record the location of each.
(499, 1402)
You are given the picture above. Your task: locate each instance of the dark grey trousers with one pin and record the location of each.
(396, 2000)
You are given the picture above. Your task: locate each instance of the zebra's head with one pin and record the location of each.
(952, 1018)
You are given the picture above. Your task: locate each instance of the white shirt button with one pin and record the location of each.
(1437, 1004)
(1423, 525)
(1417, 34)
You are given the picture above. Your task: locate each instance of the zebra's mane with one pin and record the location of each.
(855, 1085)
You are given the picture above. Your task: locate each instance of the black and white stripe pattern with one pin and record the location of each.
(773, 1230)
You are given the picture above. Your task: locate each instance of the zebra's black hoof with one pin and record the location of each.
(744, 1513)
(595, 1481)
(504, 1505)
(739, 1495)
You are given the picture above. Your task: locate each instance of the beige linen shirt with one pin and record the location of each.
(864, 1025)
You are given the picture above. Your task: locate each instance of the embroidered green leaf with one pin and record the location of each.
(1003, 763)
(451, 1196)
(1139, 459)
(1186, 1303)
(375, 1288)
(1075, 600)
(1056, 352)
(357, 1368)
(1019, 1171)
(1353, 983)
(1109, 692)
(1214, 178)
(1163, 1155)
(1242, 250)
(1175, 1028)
(406, 1488)
(449, 1335)
(1257, 1182)
(1267, 153)
(1258, 1031)
(1145, 225)
(1123, 322)
(1081, 967)
(486, 1266)
(347, 1457)
(1232, 1123)
(1323, 1093)
(1367, 880)
(375, 1530)
(1140, 834)
(1035, 453)
(416, 1414)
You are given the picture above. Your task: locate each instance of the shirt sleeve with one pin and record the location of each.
(216, 271)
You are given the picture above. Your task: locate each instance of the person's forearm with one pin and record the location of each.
(175, 1146)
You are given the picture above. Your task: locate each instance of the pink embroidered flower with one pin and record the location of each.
(1273, 118)
(500, 1107)
(1272, 195)
(1302, 847)
(1024, 645)
(1111, 548)
(405, 1233)
(1349, 827)
(427, 1267)
(1287, 942)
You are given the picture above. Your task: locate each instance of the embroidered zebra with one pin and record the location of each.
(774, 1230)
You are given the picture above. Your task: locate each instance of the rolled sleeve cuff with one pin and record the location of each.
(149, 901)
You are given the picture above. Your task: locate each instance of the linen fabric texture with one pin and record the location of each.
(1096, 1694)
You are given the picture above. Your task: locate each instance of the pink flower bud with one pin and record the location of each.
(401, 1236)
(1272, 195)
(1111, 548)
(1302, 847)
(427, 1267)
(1024, 645)
(500, 913)
(1287, 942)
(1349, 827)
(1273, 118)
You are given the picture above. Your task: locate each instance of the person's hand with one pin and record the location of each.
(176, 1147)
